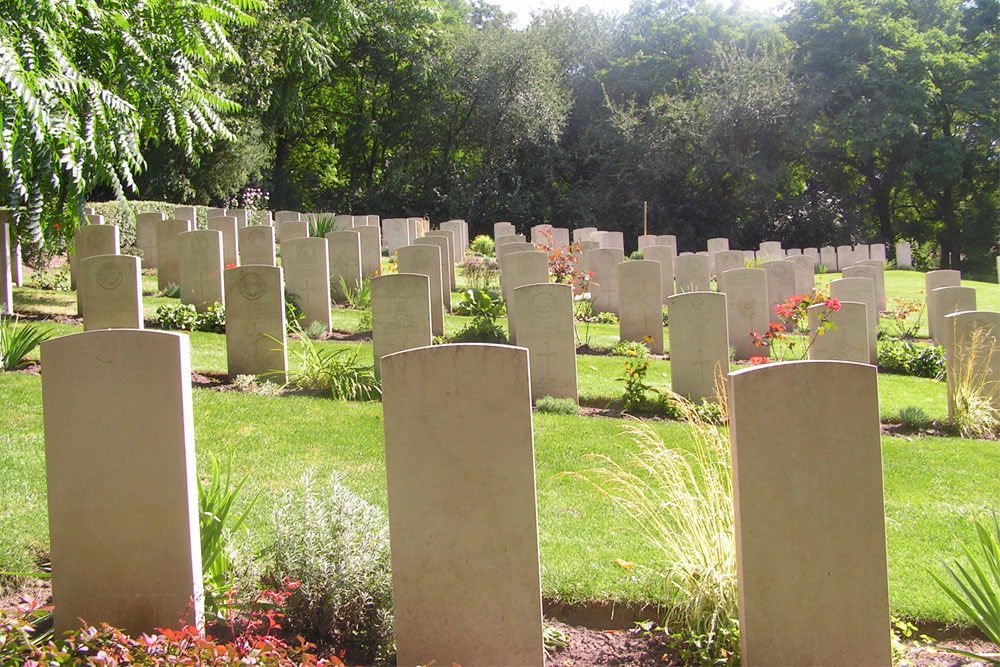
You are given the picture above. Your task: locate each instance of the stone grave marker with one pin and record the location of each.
(749, 256)
(904, 256)
(932, 281)
(560, 235)
(640, 303)
(948, 300)
(860, 253)
(691, 273)
(715, 246)
(214, 213)
(113, 292)
(870, 269)
(186, 213)
(780, 286)
(462, 514)
(812, 579)
(545, 326)
(518, 269)
(168, 252)
(230, 245)
(94, 219)
(583, 234)
(452, 243)
(345, 262)
(727, 260)
(861, 290)
(503, 229)
(791, 252)
(255, 322)
(425, 260)
(123, 457)
(667, 240)
(604, 283)
(306, 263)
(828, 257)
(613, 240)
(347, 222)
(746, 310)
(447, 267)
(805, 277)
(396, 234)
(847, 340)
(287, 216)
(663, 255)
(90, 241)
(6, 284)
(371, 250)
(646, 240)
(460, 246)
(771, 250)
(507, 248)
(145, 237)
(256, 243)
(290, 229)
(845, 256)
(401, 314)
(699, 343)
(509, 238)
(241, 215)
(536, 233)
(876, 253)
(975, 358)
(580, 250)
(813, 254)
(201, 268)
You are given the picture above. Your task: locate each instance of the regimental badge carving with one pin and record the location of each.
(109, 276)
(543, 305)
(252, 286)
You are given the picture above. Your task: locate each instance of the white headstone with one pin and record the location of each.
(665, 256)
(640, 303)
(699, 343)
(876, 253)
(518, 269)
(503, 229)
(948, 300)
(604, 283)
(113, 292)
(647, 240)
(747, 311)
(426, 260)
(168, 252)
(396, 234)
(256, 244)
(255, 321)
(805, 277)
(545, 326)
(904, 256)
(771, 250)
(613, 240)
(371, 250)
(828, 258)
(186, 213)
(306, 263)
(345, 262)
(145, 237)
(932, 281)
(869, 268)
(860, 253)
(290, 229)
(977, 362)
(401, 314)
(583, 234)
(813, 254)
(91, 240)
(201, 268)
(447, 267)
(230, 245)
(780, 286)
(6, 284)
(860, 290)
(727, 260)
(287, 216)
(845, 256)
(846, 340)
(691, 273)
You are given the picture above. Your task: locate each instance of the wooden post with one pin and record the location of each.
(645, 217)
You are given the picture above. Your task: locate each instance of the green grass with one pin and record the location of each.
(931, 483)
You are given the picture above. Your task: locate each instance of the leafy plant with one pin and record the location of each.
(365, 321)
(629, 348)
(480, 273)
(213, 320)
(336, 370)
(251, 384)
(976, 588)
(315, 330)
(553, 639)
(974, 393)
(185, 317)
(483, 245)
(217, 523)
(607, 317)
(636, 254)
(557, 406)
(57, 281)
(912, 417)
(680, 501)
(485, 307)
(336, 546)
(170, 291)
(903, 318)
(911, 358)
(293, 314)
(563, 263)
(322, 224)
(358, 297)
(18, 341)
(634, 395)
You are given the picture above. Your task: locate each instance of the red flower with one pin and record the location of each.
(833, 304)
(757, 361)
(776, 327)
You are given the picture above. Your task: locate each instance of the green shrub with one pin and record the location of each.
(57, 281)
(365, 321)
(293, 314)
(557, 406)
(911, 358)
(213, 320)
(251, 384)
(334, 370)
(636, 254)
(607, 318)
(315, 330)
(483, 246)
(480, 273)
(359, 297)
(170, 291)
(17, 342)
(484, 307)
(481, 331)
(912, 417)
(629, 348)
(185, 317)
(322, 224)
(336, 546)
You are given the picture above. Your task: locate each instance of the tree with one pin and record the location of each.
(83, 85)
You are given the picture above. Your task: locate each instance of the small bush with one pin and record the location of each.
(629, 348)
(358, 297)
(185, 317)
(973, 391)
(365, 321)
(637, 254)
(57, 281)
(17, 342)
(911, 358)
(251, 384)
(484, 307)
(213, 320)
(912, 417)
(334, 370)
(336, 546)
(293, 314)
(170, 292)
(481, 331)
(315, 330)
(557, 406)
(820, 268)
(607, 318)
(483, 245)
(480, 273)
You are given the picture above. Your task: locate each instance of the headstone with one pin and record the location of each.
(230, 246)
(373, 220)
(904, 255)
(813, 254)
(460, 246)
(396, 234)
(168, 252)
(665, 256)
(287, 216)
(845, 256)
(771, 250)
(604, 283)
(746, 308)
(613, 240)
(509, 238)
(91, 240)
(976, 361)
(401, 314)
(932, 281)
(667, 240)
(346, 222)
(860, 253)
(870, 269)
(6, 284)
(94, 219)
(792, 252)
(545, 326)
(122, 456)
(426, 260)
(414, 228)
(462, 518)
(860, 290)
(186, 213)
(201, 268)
(16, 276)
(805, 277)
(846, 340)
(812, 579)
(780, 286)
(518, 269)
(145, 237)
(876, 253)
(503, 229)
(749, 256)
(640, 303)
(255, 322)
(715, 246)
(290, 229)
(948, 300)
(508, 248)
(113, 291)
(241, 215)
(537, 237)
(560, 235)
(306, 263)
(699, 343)
(371, 250)
(447, 267)
(583, 234)
(452, 242)
(691, 273)
(256, 243)
(727, 260)
(214, 213)
(345, 262)
(580, 250)
(828, 258)
(646, 240)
